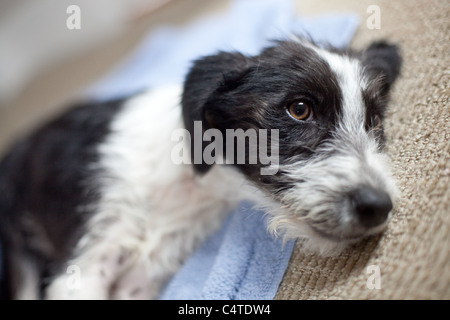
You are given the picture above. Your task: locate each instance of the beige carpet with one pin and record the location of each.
(413, 256)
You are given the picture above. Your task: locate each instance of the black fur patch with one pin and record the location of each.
(382, 63)
(45, 181)
(254, 92)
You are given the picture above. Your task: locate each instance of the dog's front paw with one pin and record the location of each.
(74, 287)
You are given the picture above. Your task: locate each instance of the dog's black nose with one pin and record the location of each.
(371, 206)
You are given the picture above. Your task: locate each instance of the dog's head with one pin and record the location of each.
(332, 179)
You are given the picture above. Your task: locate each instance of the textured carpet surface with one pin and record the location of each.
(413, 255)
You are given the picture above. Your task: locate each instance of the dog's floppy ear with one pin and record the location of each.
(382, 60)
(209, 76)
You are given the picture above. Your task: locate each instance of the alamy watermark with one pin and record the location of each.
(241, 147)
(374, 20)
(73, 21)
(73, 277)
(374, 279)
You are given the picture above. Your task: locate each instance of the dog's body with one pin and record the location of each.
(93, 205)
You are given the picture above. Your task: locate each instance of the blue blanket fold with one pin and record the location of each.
(241, 260)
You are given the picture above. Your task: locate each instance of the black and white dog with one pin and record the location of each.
(97, 190)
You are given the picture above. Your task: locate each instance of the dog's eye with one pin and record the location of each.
(299, 110)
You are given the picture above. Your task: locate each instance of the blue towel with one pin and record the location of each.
(241, 260)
